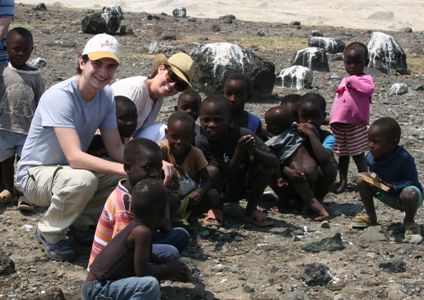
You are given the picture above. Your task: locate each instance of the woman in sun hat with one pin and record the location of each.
(170, 75)
(55, 170)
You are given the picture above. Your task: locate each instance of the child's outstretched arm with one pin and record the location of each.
(362, 84)
(309, 131)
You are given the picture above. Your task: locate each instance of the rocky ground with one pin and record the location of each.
(241, 261)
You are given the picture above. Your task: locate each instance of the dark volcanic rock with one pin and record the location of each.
(107, 21)
(41, 7)
(7, 266)
(331, 243)
(394, 265)
(228, 19)
(297, 77)
(217, 60)
(314, 274)
(180, 12)
(398, 89)
(329, 44)
(386, 55)
(314, 58)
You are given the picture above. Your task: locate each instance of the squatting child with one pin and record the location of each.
(126, 119)
(296, 163)
(350, 112)
(123, 270)
(23, 86)
(238, 90)
(396, 169)
(142, 159)
(237, 155)
(195, 185)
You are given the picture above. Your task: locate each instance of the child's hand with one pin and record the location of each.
(307, 129)
(179, 271)
(246, 142)
(281, 182)
(195, 197)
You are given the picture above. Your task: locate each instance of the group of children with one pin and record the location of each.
(228, 157)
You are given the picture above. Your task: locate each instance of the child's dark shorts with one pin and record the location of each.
(394, 201)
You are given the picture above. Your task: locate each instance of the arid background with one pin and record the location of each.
(239, 261)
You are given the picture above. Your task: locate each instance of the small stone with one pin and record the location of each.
(375, 233)
(316, 33)
(7, 266)
(180, 12)
(216, 28)
(394, 265)
(398, 89)
(406, 29)
(295, 23)
(330, 243)
(228, 19)
(260, 33)
(325, 224)
(418, 87)
(40, 7)
(314, 274)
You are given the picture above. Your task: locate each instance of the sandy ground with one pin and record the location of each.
(364, 14)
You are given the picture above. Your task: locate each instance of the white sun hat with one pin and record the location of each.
(102, 46)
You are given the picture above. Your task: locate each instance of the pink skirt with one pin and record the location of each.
(351, 139)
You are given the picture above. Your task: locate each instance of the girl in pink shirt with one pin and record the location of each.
(350, 112)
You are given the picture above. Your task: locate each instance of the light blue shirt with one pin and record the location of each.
(61, 106)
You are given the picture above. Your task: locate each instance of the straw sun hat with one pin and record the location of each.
(181, 64)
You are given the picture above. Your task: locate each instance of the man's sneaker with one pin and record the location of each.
(82, 237)
(61, 251)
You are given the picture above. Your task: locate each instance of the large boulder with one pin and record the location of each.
(312, 57)
(217, 60)
(330, 45)
(297, 77)
(386, 55)
(107, 21)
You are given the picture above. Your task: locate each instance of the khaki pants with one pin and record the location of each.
(73, 197)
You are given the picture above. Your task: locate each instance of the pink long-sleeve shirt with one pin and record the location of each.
(352, 102)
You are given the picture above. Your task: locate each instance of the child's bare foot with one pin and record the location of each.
(341, 187)
(317, 207)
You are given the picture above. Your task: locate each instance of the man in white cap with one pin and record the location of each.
(55, 171)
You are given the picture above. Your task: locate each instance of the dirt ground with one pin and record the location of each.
(238, 261)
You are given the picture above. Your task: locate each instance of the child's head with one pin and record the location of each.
(189, 102)
(142, 159)
(291, 103)
(126, 116)
(215, 114)
(19, 46)
(312, 109)
(148, 200)
(355, 58)
(237, 89)
(278, 119)
(180, 133)
(383, 137)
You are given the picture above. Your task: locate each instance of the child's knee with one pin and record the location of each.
(213, 197)
(410, 197)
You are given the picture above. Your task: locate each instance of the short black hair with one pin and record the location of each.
(191, 93)
(390, 128)
(149, 197)
(25, 33)
(315, 100)
(240, 77)
(357, 45)
(290, 98)
(183, 117)
(138, 147)
(218, 99)
(125, 104)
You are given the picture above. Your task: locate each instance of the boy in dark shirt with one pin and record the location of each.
(238, 154)
(123, 269)
(396, 169)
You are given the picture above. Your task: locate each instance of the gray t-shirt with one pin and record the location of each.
(22, 92)
(61, 106)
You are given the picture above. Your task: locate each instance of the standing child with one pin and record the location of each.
(396, 169)
(236, 154)
(191, 165)
(23, 89)
(123, 269)
(142, 159)
(238, 90)
(350, 112)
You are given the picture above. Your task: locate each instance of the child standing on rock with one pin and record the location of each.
(396, 169)
(350, 112)
(22, 91)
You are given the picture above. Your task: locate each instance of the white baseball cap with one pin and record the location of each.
(102, 46)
